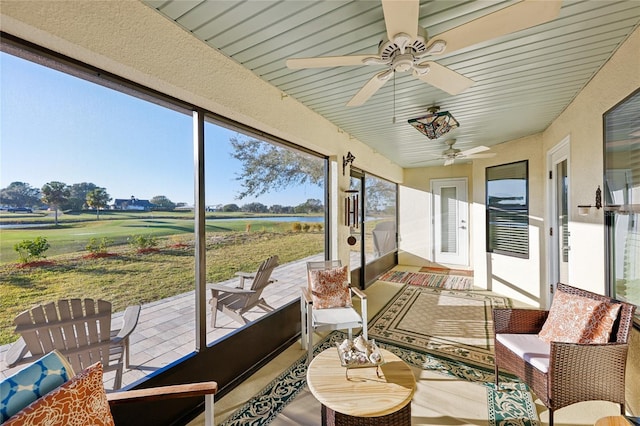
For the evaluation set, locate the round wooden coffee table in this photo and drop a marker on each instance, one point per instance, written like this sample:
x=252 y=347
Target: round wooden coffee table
x=366 y=396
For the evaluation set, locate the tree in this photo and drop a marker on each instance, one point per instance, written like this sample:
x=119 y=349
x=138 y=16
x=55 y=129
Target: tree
x=98 y=199
x=230 y=208
x=278 y=209
x=255 y=208
x=380 y=195
x=267 y=167
x=310 y=206
x=55 y=194
x=163 y=202
x=78 y=196
x=20 y=194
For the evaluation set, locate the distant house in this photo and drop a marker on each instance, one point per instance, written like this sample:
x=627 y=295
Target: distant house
x=132 y=204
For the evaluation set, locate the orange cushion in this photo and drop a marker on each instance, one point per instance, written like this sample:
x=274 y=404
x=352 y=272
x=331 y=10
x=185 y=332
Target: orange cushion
x=578 y=319
x=79 y=401
x=330 y=288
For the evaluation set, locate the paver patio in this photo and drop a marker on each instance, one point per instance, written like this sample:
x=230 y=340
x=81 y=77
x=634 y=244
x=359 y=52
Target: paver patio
x=166 y=328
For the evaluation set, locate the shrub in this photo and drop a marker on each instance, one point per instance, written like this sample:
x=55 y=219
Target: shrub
x=296 y=226
x=31 y=249
x=97 y=247
x=143 y=242
x=306 y=227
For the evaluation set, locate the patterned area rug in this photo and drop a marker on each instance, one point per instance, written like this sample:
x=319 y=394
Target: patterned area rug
x=510 y=405
x=446 y=271
x=453 y=324
x=439 y=280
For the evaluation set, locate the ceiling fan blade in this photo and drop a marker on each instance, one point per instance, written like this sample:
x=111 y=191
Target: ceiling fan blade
x=472 y=156
x=371 y=87
x=519 y=16
x=328 y=61
x=475 y=150
x=444 y=78
x=449 y=161
x=401 y=16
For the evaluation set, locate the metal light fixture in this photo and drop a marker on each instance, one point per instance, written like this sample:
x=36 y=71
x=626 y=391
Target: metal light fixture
x=435 y=124
x=347 y=160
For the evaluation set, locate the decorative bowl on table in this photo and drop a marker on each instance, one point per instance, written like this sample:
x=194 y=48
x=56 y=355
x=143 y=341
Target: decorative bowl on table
x=359 y=353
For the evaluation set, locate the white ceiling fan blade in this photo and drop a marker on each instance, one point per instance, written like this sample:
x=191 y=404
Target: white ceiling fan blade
x=472 y=156
x=371 y=87
x=328 y=61
x=449 y=161
x=519 y=16
x=444 y=78
x=401 y=16
x=475 y=150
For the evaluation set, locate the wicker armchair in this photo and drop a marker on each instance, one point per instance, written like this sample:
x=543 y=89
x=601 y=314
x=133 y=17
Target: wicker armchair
x=576 y=372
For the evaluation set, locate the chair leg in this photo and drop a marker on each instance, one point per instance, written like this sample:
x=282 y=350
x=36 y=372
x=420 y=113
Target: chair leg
x=117 y=381
x=214 y=307
x=126 y=352
x=309 y=333
x=622 y=410
x=550 y=417
x=495 y=369
x=209 y=417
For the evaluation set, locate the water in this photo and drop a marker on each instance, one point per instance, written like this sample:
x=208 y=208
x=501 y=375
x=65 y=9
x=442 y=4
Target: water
x=314 y=219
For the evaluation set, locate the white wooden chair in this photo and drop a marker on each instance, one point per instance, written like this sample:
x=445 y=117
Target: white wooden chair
x=120 y=337
x=327 y=319
x=80 y=329
x=235 y=301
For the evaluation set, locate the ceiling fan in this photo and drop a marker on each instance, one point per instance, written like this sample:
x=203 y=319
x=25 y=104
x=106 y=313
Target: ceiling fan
x=451 y=154
x=407 y=46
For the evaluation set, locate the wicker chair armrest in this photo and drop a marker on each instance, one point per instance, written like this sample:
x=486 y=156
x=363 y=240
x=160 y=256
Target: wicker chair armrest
x=518 y=321
x=580 y=372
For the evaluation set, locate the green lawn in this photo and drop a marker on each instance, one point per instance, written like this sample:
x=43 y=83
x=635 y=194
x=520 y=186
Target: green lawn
x=74 y=231
x=128 y=277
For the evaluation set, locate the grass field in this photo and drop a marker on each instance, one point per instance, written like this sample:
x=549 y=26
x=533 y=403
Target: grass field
x=75 y=230
x=128 y=277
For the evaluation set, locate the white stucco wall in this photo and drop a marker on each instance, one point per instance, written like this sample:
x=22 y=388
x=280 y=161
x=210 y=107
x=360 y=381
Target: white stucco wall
x=415 y=207
x=582 y=123
x=515 y=277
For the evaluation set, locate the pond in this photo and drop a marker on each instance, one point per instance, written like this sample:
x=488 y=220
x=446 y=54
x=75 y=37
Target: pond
x=314 y=219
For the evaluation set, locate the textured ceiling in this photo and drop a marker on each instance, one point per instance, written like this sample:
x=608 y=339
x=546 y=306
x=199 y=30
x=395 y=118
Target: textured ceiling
x=523 y=80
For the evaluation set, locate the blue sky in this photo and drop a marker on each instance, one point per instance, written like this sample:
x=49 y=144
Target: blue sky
x=55 y=127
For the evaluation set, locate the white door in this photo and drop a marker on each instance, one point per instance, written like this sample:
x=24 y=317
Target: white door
x=559 y=215
x=450 y=221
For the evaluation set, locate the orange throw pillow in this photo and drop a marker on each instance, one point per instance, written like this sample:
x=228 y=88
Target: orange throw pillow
x=80 y=401
x=578 y=319
x=330 y=288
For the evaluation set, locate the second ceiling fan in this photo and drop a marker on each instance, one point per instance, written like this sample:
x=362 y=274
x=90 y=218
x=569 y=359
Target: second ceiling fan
x=407 y=46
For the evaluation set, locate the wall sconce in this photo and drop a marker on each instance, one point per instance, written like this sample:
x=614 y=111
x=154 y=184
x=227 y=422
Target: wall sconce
x=347 y=160
x=351 y=208
x=583 y=209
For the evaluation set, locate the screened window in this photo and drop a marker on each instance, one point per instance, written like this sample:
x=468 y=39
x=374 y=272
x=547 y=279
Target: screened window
x=621 y=198
x=508 y=209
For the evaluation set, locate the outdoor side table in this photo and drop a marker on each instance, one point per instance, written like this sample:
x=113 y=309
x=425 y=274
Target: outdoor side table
x=362 y=398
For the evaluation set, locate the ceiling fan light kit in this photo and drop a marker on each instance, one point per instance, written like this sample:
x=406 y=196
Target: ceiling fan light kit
x=435 y=124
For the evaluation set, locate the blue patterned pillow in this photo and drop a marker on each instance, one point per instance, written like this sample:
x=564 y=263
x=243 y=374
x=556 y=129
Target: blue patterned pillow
x=32 y=382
